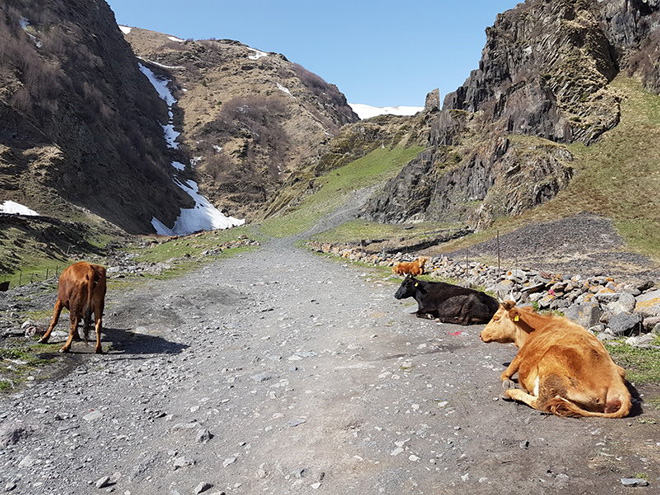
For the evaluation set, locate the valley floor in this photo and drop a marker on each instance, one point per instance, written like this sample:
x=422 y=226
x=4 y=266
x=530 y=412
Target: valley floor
x=281 y=372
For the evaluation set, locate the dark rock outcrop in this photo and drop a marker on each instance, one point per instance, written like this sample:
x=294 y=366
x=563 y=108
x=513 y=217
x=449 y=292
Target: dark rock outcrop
x=496 y=146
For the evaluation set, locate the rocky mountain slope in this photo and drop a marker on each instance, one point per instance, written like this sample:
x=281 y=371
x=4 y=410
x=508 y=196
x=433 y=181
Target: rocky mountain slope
x=248 y=118
x=81 y=126
x=91 y=132
x=498 y=146
x=351 y=143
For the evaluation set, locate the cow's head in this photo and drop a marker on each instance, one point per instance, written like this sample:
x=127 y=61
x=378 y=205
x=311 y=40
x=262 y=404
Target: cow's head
x=408 y=288
x=502 y=326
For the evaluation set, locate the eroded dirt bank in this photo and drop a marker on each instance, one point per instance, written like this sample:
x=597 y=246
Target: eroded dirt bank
x=282 y=372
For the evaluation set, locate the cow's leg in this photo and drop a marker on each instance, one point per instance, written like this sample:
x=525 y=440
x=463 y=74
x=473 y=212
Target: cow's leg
x=98 y=315
x=522 y=396
x=56 y=316
x=73 y=328
x=99 y=324
x=512 y=369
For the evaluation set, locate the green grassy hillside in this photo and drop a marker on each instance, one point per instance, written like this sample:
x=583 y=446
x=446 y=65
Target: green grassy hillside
x=332 y=189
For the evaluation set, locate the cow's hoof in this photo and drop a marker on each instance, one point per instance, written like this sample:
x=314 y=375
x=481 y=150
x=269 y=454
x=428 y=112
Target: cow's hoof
x=63 y=350
x=506 y=395
x=42 y=341
x=508 y=384
x=99 y=351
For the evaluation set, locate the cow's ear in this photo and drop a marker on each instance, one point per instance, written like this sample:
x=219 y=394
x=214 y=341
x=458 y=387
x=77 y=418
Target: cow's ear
x=514 y=314
x=508 y=305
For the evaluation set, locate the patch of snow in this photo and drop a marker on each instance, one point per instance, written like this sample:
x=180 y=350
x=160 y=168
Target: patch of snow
x=160 y=83
x=24 y=25
x=257 y=54
x=163 y=66
x=170 y=134
x=14 y=208
x=174 y=38
x=367 y=111
x=160 y=227
x=282 y=88
x=195 y=161
x=217 y=148
x=125 y=29
x=203 y=216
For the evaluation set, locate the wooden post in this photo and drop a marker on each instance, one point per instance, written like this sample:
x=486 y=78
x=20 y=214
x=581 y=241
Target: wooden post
x=467 y=261
x=499 y=266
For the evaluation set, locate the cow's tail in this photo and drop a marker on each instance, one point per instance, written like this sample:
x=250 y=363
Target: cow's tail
x=618 y=407
x=92 y=279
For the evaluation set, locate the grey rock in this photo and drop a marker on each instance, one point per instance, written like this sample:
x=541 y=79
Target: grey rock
x=634 y=482
x=432 y=102
x=586 y=314
x=648 y=304
x=625 y=303
x=203 y=436
x=262 y=377
x=102 y=482
x=93 y=416
x=202 y=487
x=641 y=340
x=182 y=461
x=625 y=323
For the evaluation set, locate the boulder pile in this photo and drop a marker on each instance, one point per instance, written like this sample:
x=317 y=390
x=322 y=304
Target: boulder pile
x=599 y=303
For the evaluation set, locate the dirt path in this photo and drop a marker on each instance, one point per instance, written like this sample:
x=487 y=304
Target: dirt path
x=308 y=377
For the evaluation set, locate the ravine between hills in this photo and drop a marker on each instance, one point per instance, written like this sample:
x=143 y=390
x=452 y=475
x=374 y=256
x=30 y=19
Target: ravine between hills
x=279 y=371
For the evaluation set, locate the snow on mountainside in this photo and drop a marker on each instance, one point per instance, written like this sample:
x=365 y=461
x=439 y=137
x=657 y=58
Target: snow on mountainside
x=203 y=216
x=367 y=111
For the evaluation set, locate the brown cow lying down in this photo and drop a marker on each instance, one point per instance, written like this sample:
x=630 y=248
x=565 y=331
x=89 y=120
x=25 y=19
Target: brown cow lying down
x=81 y=290
x=562 y=368
x=413 y=268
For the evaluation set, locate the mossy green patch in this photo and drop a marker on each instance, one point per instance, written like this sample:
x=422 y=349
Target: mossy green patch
x=642 y=365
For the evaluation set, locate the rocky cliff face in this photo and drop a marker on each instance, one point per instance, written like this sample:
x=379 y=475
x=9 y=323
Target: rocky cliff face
x=495 y=148
x=248 y=118
x=81 y=126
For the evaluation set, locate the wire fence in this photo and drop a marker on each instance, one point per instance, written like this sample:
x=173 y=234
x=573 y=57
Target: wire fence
x=28 y=278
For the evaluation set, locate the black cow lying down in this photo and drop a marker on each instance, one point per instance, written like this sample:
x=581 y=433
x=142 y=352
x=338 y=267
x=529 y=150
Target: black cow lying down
x=449 y=303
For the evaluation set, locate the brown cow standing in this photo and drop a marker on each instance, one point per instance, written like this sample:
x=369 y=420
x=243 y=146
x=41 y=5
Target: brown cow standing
x=562 y=368
x=81 y=290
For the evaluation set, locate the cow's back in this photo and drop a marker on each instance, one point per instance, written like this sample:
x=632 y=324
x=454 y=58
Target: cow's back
x=80 y=281
x=572 y=349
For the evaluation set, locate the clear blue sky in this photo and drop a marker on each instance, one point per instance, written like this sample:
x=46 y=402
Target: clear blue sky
x=378 y=52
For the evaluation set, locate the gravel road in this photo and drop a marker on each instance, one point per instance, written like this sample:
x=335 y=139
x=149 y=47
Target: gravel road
x=277 y=372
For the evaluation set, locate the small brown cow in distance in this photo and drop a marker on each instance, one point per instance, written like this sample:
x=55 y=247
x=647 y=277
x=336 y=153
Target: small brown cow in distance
x=414 y=268
x=81 y=290
x=562 y=368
